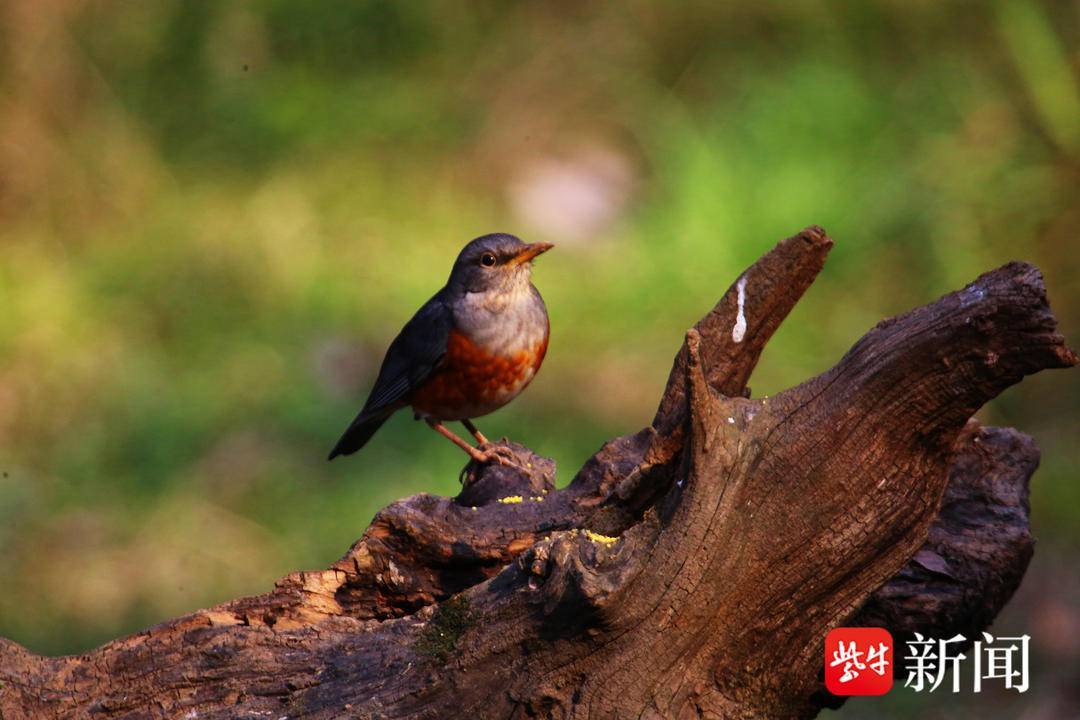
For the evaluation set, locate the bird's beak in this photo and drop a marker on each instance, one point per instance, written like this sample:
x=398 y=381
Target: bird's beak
x=530 y=251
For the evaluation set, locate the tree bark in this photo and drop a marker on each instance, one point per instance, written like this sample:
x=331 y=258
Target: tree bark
x=689 y=570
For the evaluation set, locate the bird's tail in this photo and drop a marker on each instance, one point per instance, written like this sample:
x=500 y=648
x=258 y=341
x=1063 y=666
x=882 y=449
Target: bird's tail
x=359 y=432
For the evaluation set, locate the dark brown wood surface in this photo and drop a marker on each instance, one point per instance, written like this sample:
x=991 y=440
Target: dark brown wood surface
x=689 y=570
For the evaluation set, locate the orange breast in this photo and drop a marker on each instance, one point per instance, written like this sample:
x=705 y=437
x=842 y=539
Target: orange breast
x=472 y=382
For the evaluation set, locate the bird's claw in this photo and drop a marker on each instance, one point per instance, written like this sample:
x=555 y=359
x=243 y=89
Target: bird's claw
x=487 y=453
x=499 y=453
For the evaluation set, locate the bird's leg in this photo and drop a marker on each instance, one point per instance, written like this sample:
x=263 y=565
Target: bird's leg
x=447 y=433
x=475 y=431
x=480 y=456
x=488 y=446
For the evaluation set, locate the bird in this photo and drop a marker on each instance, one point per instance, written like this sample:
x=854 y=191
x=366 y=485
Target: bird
x=468 y=351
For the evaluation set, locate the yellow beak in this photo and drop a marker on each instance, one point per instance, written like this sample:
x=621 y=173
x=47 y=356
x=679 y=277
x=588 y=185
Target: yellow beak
x=530 y=251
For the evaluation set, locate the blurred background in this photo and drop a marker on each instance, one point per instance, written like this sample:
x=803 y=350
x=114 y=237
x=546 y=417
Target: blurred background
x=215 y=216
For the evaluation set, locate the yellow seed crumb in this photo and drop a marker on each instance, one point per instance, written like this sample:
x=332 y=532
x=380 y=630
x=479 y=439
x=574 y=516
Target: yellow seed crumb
x=603 y=539
x=473 y=507
x=511 y=499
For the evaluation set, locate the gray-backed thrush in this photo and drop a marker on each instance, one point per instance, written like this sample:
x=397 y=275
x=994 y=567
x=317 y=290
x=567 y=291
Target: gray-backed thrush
x=472 y=348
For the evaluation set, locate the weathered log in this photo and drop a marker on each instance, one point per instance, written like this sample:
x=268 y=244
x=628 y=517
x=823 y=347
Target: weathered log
x=689 y=570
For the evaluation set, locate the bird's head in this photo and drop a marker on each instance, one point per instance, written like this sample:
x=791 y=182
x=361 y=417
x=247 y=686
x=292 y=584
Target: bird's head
x=497 y=262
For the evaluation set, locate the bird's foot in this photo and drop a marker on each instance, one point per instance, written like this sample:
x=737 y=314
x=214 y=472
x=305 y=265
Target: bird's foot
x=526 y=475
x=499 y=453
x=484 y=455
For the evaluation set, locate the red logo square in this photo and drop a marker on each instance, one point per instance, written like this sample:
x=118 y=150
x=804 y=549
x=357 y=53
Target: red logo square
x=859 y=661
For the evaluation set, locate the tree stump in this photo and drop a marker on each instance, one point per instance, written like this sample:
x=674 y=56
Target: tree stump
x=689 y=570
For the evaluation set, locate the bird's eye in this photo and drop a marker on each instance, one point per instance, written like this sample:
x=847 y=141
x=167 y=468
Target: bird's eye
x=487 y=260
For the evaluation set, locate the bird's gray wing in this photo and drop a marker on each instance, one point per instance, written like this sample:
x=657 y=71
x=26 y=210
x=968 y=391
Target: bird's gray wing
x=410 y=360
x=413 y=355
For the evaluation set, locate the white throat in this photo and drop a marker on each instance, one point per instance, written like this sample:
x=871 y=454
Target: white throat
x=504 y=321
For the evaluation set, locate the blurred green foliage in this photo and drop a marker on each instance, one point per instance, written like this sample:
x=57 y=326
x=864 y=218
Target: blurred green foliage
x=216 y=215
